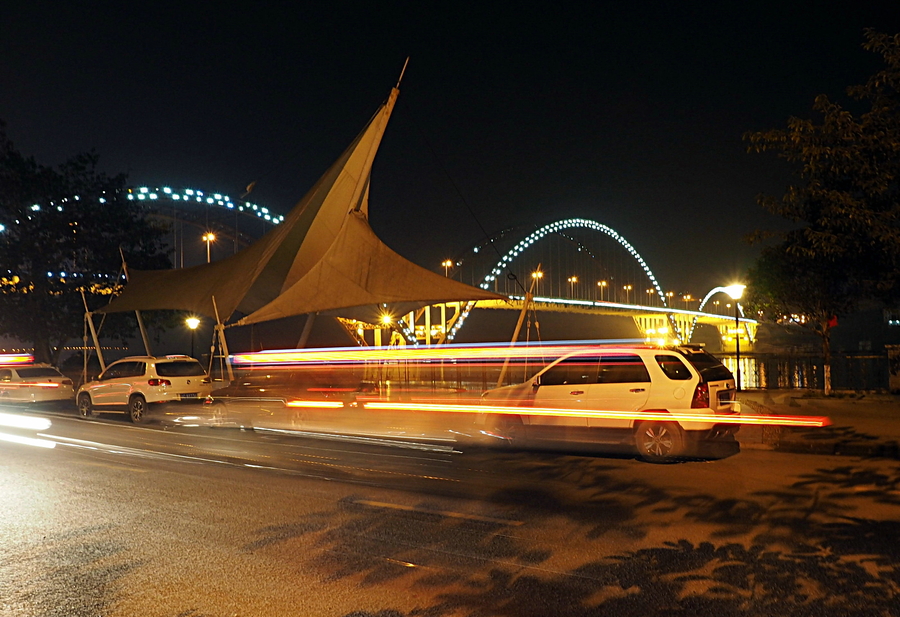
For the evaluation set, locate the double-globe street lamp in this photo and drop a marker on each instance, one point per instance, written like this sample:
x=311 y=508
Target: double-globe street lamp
x=736 y=291
x=208 y=237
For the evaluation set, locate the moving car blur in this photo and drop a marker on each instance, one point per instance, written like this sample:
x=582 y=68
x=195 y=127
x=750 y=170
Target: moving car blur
x=451 y=394
x=22 y=381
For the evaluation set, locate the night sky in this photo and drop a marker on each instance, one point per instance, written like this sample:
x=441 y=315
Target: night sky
x=630 y=114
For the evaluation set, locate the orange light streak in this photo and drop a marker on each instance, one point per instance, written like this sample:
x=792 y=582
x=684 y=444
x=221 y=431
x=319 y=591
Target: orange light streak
x=313 y=404
x=16 y=358
x=808 y=421
x=325 y=356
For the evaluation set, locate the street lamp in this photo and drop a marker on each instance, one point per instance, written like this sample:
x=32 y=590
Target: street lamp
x=447 y=263
x=669 y=296
x=627 y=289
x=602 y=285
x=687 y=298
x=192 y=323
x=536 y=276
x=208 y=237
x=649 y=297
x=736 y=291
x=572 y=280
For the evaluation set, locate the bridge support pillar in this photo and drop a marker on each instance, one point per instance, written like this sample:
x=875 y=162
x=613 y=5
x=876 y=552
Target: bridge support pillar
x=655 y=327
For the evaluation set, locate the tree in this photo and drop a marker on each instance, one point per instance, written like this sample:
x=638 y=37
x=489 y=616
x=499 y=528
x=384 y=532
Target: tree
x=845 y=245
x=61 y=232
x=847 y=202
x=790 y=288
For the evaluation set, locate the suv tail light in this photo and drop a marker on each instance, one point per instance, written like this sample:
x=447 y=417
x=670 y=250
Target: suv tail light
x=701 y=396
x=159 y=382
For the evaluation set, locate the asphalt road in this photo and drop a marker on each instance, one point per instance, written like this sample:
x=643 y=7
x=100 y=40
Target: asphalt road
x=129 y=520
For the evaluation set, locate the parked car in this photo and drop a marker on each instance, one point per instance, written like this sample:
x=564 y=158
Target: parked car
x=683 y=379
x=33 y=383
x=134 y=385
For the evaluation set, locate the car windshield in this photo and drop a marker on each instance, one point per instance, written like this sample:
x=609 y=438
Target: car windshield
x=180 y=368
x=38 y=371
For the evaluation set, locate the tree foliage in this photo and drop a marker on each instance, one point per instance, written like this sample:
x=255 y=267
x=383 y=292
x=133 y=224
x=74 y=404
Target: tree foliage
x=846 y=203
x=63 y=230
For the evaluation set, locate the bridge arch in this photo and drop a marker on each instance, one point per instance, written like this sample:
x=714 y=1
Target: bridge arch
x=491 y=278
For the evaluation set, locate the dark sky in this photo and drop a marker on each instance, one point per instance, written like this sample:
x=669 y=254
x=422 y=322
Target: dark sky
x=628 y=113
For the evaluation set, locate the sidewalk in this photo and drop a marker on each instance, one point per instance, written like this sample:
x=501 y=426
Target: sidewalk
x=866 y=425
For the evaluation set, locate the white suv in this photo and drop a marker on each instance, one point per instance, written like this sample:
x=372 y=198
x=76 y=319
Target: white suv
x=130 y=384
x=682 y=380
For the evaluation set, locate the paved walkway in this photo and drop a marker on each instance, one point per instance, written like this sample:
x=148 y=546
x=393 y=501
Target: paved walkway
x=865 y=425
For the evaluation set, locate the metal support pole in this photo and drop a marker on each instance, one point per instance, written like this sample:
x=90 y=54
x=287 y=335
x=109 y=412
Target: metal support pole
x=737 y=346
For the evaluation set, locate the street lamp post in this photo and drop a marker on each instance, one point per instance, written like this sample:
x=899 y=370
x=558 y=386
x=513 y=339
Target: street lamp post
x=208 y=237
x=602 y=285
x=627 y=289
x=192 y=323
x=736 y=291
x=447 y=265
x=572 y=280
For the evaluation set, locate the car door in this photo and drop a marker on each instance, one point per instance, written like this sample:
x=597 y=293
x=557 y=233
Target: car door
x=115 y=383
x=623 y=384
x=564 y=385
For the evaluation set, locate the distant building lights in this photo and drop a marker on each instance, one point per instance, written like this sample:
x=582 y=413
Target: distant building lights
x=167 y=190
x=144 y=189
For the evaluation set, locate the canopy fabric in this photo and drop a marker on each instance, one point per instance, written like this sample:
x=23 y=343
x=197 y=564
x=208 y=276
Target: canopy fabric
x=255 y=276
x=322 y=257
x=359 y=269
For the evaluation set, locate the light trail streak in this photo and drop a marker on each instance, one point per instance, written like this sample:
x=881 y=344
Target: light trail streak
x=26 y=422
x=424 y=354
x=663 y=416
x=27 y=441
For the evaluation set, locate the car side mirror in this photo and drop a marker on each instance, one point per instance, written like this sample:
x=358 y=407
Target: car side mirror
x=535 y=385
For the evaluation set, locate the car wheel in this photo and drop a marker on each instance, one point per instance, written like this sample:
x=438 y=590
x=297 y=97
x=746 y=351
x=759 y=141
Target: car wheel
x=219 y=414
x=508 y=430
x=85 y=408
x=137 y=408
x=659 y=442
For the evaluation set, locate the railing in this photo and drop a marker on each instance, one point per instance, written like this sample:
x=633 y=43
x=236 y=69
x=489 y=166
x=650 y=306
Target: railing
x=863 y=371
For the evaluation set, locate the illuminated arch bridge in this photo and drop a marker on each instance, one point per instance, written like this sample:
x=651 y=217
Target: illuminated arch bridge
x=572 y=265
x=233 y=221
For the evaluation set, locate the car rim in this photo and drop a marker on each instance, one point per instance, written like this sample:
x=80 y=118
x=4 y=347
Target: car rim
x=658 y=441
x=137 y=409
x=84 y=406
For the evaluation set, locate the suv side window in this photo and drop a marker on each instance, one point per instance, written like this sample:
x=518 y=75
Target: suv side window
x=570 y=371
x=622 y=368
x=673 y=367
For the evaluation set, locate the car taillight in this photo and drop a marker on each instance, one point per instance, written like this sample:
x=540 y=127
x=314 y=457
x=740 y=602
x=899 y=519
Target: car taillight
x=159 y=382
x=701 y=396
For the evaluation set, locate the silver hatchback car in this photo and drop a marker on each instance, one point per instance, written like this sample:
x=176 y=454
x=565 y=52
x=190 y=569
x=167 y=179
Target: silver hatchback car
x=132 y=384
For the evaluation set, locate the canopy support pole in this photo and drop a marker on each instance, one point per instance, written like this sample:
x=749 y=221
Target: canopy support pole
x=307 y=328
x=529 y=296
x=90 y=320
x=219 y=338
x=143 y=330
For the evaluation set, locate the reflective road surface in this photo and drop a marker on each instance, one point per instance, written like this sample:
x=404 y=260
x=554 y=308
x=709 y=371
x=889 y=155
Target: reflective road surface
x=116 y=519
